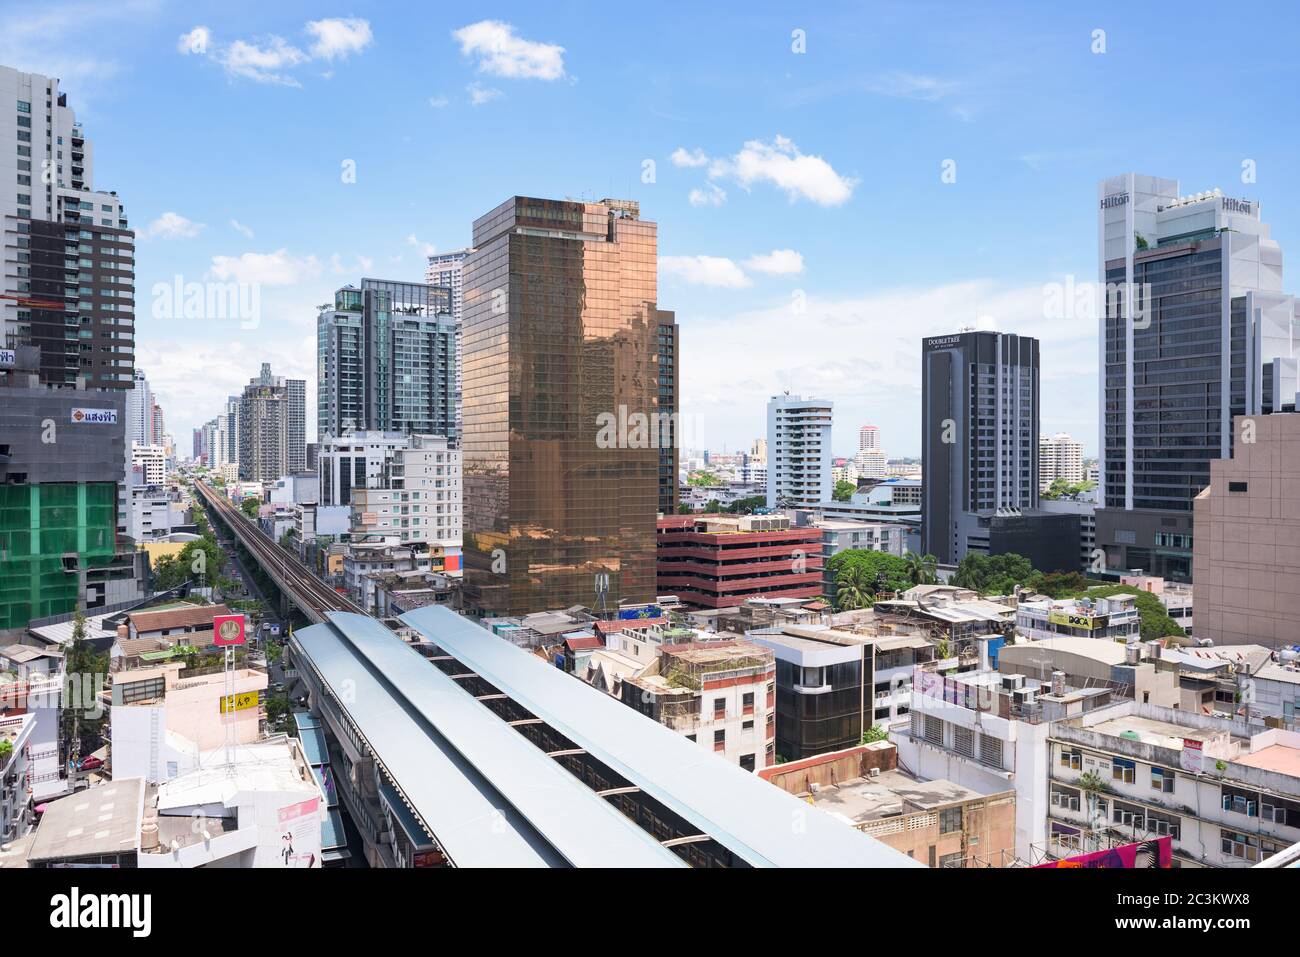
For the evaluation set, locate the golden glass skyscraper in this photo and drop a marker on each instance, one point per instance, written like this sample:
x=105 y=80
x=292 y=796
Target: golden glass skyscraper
x=560 y=338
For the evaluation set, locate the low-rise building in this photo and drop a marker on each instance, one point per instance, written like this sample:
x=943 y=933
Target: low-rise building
x=937 y=822
x=714 y=561
x=1112 y=619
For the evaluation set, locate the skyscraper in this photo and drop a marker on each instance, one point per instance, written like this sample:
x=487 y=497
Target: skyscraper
x=668 y=368
x=446 y=270
x=868 y=438
x=979 y=439
x=69 y=256
x=1195 y=329
x=1059 y=457
x=561 y=399
x=386 y=360
x=798 y=451
x=272 y=427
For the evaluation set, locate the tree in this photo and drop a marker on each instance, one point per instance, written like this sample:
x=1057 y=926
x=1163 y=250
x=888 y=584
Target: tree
x=703 y=479
x=1060 y=488
x=684 y=509
x=854 y=588
x=81 y=718
x=880 y=570
x=921 y=569
x=746 y=506
x=249 y=507
x=994 y=574
x=843 y=490
x=875 y=733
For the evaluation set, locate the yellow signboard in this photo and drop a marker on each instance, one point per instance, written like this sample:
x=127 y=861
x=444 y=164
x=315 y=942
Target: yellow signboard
x=242 y=701
x=1090 y=622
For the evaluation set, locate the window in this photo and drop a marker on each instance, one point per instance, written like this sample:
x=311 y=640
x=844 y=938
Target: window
x=1072 y=760
x=963 y=741
x=950 y=820
x=1162 y=780
x=990 y=751
x=933 y=730
x=1243 y=846
x=951 y=860
x=1236 y=486
x=1122 y=769
x=719 y=707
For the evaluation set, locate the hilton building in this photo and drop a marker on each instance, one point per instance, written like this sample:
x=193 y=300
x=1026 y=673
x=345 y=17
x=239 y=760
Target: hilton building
x=1210 y=336
x=560 y=332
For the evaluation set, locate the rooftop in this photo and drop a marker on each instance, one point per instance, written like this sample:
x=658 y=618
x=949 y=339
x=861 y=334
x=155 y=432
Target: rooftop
x=889 y=794
x=1275 y=757
x=98 y=821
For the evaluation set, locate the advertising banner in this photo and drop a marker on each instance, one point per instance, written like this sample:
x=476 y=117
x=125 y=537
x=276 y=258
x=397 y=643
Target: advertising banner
x=1155 y=853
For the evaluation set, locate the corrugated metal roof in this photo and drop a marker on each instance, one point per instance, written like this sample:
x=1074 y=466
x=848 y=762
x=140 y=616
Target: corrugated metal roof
x=758 y=822
x=490 y=797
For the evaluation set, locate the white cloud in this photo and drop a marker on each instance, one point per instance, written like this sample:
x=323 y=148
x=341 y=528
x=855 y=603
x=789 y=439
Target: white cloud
x=196 y=41
x=705 y=271
x=426 y=249
x=366 y=263
x=438 y=102
x=239 y=227
x=711 y=195
x=272 y=59
x=912 y=86
x=688 y=158
x=800 y=175
x=502 y=52
x=268 y=269
x=173 y=226
x=480 y=94
x=339 y=37
x=779 y=262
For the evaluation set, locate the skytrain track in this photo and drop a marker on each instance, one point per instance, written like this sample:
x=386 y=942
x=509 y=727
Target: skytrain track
x=304 y=589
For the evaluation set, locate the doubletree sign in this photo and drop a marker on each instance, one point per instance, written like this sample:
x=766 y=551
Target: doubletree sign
x=228 y=630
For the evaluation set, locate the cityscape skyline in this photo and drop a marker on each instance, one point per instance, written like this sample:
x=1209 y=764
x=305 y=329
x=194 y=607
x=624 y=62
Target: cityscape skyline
x=301 y=231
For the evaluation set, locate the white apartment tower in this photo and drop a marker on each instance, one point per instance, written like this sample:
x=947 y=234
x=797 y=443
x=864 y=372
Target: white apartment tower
x=446 y=269
x=798 y=451
x=1059 y=457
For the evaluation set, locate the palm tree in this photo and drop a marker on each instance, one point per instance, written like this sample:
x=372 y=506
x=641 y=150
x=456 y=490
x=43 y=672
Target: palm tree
x=921 y=568
x=853 y=590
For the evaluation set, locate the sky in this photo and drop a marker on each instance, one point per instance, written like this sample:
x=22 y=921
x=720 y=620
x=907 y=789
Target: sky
x=831 y=182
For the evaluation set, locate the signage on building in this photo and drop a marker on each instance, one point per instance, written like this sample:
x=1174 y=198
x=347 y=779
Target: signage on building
x=228 y=630
x=1090 y=622
x=1191 y=758
x=95 y=416
x=1115 y=199
x=8 y=357
x=1154 y=853
x=1231 y=205
x=238 y=702
x=942 y=342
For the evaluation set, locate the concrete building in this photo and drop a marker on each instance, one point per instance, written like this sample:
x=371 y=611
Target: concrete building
x=668 y=361
x=150 y=462
x=720 y=694
x=563 y=426
x=32 y=684
x=272 y=427
x=1224 y=792
x=798 y=451
x=939 y=823
x=1110 y=619
x=1201 y=268
x=69 y=257
x=979 y=439
x=714 y=561
x=1087 y=515
x=386 y=354
x=1247 y=548
x=417 y=498
x=1059 y=457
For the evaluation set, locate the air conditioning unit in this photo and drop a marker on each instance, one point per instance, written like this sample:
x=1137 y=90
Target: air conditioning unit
x=1012 y=682
x=873 y=772
x=1022 y=696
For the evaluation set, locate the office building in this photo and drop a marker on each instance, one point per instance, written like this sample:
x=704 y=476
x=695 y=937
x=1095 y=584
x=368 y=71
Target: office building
x=718 y=561
x=1246 y=558
x=868 y=438
x=69 y=256
x=446 y=271
x=979 y=438
x=561 y=405
x=798 y=451
x=354 y=461
x=1195 y=329
x=272 y=427
x=417 y=498
x=1059 y=457
x=148 y=465
x=669 y=367
x=386 y=355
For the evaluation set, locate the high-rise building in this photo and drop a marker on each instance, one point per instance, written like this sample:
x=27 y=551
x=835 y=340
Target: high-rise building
x=868 y=438
x=69 y=260
x=798 y=451
x=1195 y=329
x=669 y=372
x=1059 y=457
x=386 y=356
x=979 y=438
x=561 y=406
x=272 y=427
x=139 y=410
x=446 y=270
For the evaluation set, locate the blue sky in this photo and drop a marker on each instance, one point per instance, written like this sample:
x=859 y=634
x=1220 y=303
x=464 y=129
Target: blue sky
x=822 y=242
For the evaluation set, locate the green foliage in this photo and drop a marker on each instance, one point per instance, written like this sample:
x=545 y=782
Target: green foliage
x=921 y=569
x=1090 y=782
x=1060 y=488
x=684 y=509
x=1059 y=584
x=993 y=574
x=249 y=506
x=85 y=671
x=6 y=749
x=172 y=570
x=703 y=479
x=747 y=506
x=844 y=490
x=860 y=573
x=875 y=733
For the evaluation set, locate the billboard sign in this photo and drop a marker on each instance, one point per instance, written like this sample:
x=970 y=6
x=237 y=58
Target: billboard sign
x=1154 y=853
x=227 y=630
x=81 y=416
x=239 y=702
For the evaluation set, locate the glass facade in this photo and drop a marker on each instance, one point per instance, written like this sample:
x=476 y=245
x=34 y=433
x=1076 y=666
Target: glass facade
x=559 y=332
x=808 y=724
x=42 y=529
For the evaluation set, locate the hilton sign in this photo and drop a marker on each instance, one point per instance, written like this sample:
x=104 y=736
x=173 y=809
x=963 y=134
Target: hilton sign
x=1115 y=199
